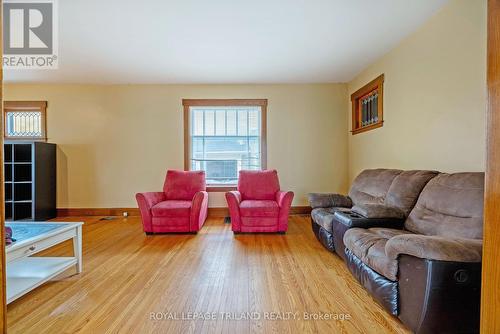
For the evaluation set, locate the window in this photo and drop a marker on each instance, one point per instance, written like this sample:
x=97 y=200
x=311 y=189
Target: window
x=223 y=137
x=25 y=120
x=367 y=106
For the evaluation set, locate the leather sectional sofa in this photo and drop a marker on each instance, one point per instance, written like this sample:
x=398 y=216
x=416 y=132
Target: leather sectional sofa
x=378 y=197
x=422 y=262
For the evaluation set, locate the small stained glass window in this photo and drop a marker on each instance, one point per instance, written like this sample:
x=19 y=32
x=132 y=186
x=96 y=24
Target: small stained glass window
x=25 y=120
x=367 y=106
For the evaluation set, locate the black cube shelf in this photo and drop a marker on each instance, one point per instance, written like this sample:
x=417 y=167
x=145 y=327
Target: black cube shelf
x=30 y=180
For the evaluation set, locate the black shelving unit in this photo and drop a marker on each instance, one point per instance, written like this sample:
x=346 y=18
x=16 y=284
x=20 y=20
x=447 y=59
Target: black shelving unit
x=30 y=180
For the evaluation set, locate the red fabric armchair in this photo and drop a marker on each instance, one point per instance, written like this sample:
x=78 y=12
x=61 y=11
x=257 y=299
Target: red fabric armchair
x=181 y=207
x=259 y=205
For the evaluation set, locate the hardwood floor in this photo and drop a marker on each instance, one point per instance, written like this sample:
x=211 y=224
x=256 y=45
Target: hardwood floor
x=130 y=281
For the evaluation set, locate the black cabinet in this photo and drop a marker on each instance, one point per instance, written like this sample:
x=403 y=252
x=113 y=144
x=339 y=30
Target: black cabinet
x=30 y=180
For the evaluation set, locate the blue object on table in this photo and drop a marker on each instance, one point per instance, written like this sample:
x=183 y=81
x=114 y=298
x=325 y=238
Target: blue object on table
x=25 y=231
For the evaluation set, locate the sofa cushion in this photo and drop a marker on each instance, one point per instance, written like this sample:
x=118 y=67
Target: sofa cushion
x=378 y=211
x=434 y=247
x=371 y=186
x=256 y=208
x=171 y=209
x=258 y=184
x=369 y=246
x=183 y=185
x=406 y=187
x=324 y=216
x=451 y=205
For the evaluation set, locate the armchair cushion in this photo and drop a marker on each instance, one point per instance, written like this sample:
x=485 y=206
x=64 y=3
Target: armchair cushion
x=256 y=208
x=369 y=246
x=258 y=185
x=317 y=200
x=183 y=185
x=435 y=248
x=172 y=209
x=378 y=211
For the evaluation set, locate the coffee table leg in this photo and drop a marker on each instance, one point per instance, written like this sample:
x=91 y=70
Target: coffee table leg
x=77 y=249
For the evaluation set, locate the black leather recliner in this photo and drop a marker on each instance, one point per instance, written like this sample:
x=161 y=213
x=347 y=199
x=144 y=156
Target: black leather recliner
x=429 y=273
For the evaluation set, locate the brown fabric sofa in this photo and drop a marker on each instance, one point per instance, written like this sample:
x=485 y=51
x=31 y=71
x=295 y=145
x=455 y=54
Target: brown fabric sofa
x=378 y=197
x=429 y=273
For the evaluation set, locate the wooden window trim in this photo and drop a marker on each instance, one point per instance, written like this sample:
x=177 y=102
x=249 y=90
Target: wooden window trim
x=219 y=189
x=26 y=106
x=490 y=294
x=377 y=83
x=3 y=283
x=187 y=103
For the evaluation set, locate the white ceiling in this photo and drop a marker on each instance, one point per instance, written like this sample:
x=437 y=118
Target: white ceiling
x=225 y=41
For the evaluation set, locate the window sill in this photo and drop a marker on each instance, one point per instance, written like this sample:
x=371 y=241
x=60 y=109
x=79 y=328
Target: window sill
x=215 y=189
x=368 y=127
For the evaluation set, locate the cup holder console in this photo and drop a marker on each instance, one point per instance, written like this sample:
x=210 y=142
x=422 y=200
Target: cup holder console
x=352 y=219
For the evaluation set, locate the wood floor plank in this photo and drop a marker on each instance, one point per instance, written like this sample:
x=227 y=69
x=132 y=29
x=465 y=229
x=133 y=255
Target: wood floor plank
x=262 y=278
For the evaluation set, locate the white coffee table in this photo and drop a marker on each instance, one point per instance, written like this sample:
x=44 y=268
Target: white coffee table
x=25 y=272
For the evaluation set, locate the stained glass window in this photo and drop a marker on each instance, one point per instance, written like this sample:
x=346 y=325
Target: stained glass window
x=25 y=120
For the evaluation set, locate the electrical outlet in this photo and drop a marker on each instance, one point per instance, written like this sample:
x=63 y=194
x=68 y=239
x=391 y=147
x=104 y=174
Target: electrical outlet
x=125 y=214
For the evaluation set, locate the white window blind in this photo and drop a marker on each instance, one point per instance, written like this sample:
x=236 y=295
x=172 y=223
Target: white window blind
x=225 y=140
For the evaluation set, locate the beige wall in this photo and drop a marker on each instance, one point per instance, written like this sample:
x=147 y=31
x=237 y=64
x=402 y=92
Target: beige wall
x=434 y=97
x=117 y=140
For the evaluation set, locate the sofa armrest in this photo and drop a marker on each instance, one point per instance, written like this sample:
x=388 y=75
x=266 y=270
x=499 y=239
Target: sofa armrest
x=317 y=200
x=233 y=199
x=199 y=210
x=352 y=219
x=435 y=248
x=378 y=211
x=146 y=201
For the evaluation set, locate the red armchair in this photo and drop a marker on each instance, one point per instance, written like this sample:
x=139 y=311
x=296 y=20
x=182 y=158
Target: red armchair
x=181 y=207
x=259 y=205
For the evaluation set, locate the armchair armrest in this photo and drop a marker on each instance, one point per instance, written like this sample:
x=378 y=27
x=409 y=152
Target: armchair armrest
x=435 y=248
x=150 y=199
x=234 y=195
x=317 y=200
x=378 y=211
x=146 y=201
x=233 y=199
x=284 y=198
x=199 y=210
